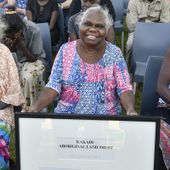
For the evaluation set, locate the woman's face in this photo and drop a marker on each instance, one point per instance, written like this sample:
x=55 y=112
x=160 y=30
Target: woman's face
x=11 y=39
x=93 y=29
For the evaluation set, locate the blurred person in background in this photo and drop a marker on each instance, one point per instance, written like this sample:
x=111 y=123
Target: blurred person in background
x=73 y=24
x=10 y=96
x=40 y=11
x=144 y=11
x=89 y=75
x=23 y=37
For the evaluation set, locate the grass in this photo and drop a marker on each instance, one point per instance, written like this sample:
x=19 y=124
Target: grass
x=137 y=95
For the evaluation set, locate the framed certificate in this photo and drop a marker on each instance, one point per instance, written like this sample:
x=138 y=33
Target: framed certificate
x=85 y=142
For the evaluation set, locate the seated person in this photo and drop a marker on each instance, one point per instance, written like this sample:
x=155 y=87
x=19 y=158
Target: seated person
x=75 y=7
x=89 y=75
x=93 y=78
x=144 y=11
x=163 y=89
x=40 y=11
x=73 y=27
x=4 y=3
x=65 y=7
x=20 y=5
x=23 y=37
x=10 y=96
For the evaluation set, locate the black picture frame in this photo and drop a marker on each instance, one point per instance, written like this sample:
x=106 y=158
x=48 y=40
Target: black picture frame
x=19 y=116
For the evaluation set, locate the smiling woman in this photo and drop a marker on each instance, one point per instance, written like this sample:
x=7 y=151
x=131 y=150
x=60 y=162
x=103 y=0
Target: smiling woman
x=90 y=74
x=10 y=96
x=73 y=24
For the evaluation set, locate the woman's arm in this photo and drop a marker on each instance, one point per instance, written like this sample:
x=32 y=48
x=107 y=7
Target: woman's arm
x=3 y=3
x=66 y=4
x=53 y=20
x=29 y=15
x=21 y=11
x=111 y=35
x=164 y=79
x=22 y=46
x=127 y=100
x=45 y=98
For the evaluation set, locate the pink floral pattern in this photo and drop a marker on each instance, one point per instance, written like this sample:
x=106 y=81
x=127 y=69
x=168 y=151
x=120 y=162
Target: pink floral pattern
x=89 y=88
x=165 y=142
x=10 y=90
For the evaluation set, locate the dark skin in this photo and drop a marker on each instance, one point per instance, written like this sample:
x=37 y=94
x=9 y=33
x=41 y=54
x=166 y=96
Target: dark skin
x=54 y=14
x=85 y=5
x=15 y=41
x=164 y=79
x=91 y=47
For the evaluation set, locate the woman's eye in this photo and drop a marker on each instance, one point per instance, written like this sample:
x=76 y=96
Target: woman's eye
x=100 y=26
x=87 y=24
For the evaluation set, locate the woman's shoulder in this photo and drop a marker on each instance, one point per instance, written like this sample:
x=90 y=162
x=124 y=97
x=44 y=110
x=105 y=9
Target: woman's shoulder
x=70 y=45
x=112 y=49
x=112 y=54
x=6 y=55
x=3 y=49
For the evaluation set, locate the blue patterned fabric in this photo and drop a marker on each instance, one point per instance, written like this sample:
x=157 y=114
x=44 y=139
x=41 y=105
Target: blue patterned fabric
x=89 y=88
x=21 y=4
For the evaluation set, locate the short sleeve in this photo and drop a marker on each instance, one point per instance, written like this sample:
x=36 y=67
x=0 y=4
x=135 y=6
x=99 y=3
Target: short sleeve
x=37 y=45
x=10 y=88
x=121 y=74
x=55 y=80
x=29 y=5
x=71 y=25
x=54 y=5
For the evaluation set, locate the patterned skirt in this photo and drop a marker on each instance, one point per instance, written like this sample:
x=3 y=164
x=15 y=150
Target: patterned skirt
x=165 y=142
x=5 y=130
x=32 y=80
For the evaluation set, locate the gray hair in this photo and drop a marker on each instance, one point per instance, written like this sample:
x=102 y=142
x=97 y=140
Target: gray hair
x=3 y=27
x=97 y=8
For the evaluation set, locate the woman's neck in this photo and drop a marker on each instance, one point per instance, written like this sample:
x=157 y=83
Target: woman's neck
x=90 y=54
x=90 y=48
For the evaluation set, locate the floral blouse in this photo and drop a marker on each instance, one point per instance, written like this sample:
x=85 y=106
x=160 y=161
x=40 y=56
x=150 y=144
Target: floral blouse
x=10 y=90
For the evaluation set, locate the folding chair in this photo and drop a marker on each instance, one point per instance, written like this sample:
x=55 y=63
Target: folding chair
x=125 y=5
x=149 y=39
x=149 y=97
x=45 y=34
x=118 y=24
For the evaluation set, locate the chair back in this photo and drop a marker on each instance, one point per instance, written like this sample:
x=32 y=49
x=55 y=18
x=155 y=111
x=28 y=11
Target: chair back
x=118 y=7
x=149 y=97
x=119 y=11
x=46 y=39
x=149 y=39
x=125 y=5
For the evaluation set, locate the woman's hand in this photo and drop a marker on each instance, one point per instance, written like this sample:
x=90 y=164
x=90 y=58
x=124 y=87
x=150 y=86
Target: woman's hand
x=132 y=113
x=28 y=109
x=9 y=43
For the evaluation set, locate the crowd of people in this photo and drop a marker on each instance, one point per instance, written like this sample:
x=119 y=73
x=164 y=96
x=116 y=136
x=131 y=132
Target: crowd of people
x=89 y=74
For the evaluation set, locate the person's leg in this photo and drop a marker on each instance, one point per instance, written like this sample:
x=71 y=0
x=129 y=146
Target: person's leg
x=129 y=50
x=5 y=130
x=32 y=80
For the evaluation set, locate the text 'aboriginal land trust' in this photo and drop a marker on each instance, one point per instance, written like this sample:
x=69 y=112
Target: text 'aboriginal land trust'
x=83 y=144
